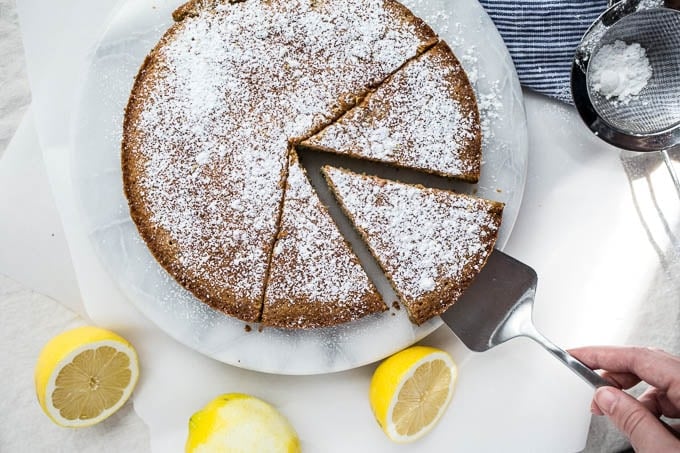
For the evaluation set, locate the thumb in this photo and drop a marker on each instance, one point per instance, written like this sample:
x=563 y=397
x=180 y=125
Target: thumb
x=644 y=430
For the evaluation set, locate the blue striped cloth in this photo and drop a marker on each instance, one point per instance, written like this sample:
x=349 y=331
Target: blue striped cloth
x=542 y=36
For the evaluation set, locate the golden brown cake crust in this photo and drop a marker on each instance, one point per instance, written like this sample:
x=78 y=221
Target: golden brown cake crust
x=211 y=112
x=158 y=240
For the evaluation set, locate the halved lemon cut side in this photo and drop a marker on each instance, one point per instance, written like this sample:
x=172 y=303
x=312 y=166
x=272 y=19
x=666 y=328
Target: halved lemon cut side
x=411 y=390
x=85 y=375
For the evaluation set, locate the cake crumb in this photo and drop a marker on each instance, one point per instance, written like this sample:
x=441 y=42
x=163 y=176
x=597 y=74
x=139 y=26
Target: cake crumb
x=396 y=305
x=247 y=328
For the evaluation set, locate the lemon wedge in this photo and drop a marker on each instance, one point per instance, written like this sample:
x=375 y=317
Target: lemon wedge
x=410 y=391
x=237 y=422
x=84 y=375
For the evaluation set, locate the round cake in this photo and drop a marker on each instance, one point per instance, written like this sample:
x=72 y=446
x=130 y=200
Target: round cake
x=210 y=130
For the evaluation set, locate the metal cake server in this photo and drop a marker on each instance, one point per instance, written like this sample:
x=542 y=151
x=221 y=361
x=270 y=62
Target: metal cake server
x=497 y=307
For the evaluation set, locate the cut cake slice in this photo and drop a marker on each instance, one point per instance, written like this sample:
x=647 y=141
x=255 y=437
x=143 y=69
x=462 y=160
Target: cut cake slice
x=315 y=280
x=430 y=243
x=423 y=117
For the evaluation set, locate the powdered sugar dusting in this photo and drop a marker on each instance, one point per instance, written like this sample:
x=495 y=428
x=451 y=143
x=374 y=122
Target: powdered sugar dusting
x=425 y=239
x=490 y=108
x=439 y=19
x=427 y=284
x=424 y=117
x=619 y=71
x=313 y=265
x=220 y=99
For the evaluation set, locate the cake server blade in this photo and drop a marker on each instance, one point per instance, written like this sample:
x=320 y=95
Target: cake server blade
x=498 y=306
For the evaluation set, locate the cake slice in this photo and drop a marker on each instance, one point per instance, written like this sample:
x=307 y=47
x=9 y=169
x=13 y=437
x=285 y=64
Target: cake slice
x=430 y=243
x=423 y=117
x=315 y=280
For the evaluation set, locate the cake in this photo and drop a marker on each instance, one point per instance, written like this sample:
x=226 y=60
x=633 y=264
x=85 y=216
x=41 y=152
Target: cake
x=214 y=118
x=211 y=115
x=423 y=117
x=430 y=243
x=315 y=280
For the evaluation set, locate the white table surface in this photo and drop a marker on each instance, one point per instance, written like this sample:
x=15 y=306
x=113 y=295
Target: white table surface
x=599 y=226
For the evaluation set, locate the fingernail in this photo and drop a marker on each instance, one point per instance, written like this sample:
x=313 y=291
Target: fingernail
x=594 y=408
x=605 y=399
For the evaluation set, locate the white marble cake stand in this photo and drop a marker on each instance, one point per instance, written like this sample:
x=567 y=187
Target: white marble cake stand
x=95 y=164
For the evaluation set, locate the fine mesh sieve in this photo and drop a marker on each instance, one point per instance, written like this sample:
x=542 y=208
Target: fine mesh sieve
x=650 y=120
x=657 y=107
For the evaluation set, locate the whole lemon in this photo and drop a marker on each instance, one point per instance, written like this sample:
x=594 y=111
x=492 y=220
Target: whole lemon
x=236 y=422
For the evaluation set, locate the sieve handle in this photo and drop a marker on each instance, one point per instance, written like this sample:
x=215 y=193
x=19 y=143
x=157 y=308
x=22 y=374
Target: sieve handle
x=671 y=169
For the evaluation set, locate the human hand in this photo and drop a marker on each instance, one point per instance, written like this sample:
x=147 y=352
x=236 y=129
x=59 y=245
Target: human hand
x=638 y=419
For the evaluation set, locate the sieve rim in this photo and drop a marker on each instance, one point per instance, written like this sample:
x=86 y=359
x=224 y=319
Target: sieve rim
x=660 y=140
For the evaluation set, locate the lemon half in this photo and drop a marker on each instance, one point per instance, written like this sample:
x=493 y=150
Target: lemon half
x=84 y=375
x=411 y=390
x=237 y=422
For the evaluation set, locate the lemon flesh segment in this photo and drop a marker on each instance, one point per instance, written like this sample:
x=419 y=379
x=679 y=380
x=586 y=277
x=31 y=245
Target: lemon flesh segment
x=85 y=375
x=422 y=398
x=411 y=390
x=94 y=381
x=240 y=423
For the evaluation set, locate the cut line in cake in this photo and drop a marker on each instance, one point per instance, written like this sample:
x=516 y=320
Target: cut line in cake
x=315 y=279
x=423 y=117
x=217 y=110
x=253 y=73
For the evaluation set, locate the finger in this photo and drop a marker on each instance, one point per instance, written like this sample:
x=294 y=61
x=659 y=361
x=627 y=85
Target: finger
x=653 y=366
x=644 y=430
x=648 y=399
x=658 y=403
x=622 y=380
